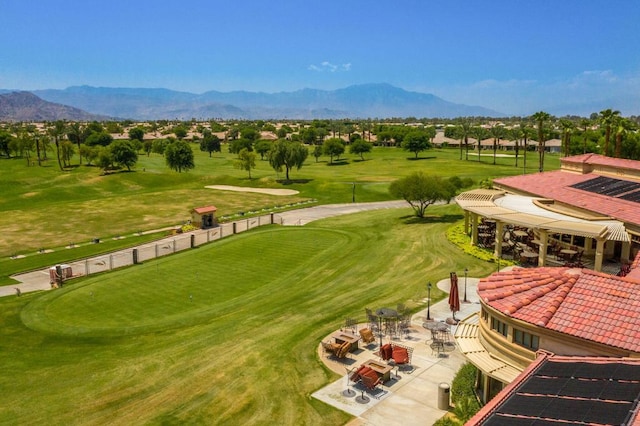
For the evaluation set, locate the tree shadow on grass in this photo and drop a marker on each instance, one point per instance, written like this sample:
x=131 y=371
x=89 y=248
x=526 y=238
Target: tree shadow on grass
x=292 y=181
x=447 y=218
x=338 y=163
x=360 y=160
x=420 y=158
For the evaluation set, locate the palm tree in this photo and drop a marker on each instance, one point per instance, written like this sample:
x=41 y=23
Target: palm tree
x=496 y=132
x=622 y=126
x=586 y=124
x=516 y=134
x=526 y=133
x=464 y=129
x=607 y=117
x=76 y=133
x=540 y=118
x=567 y=128
x=480 y=133
x=56 y=130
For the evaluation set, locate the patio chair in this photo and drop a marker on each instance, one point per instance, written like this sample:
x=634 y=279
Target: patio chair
x=401 y=356
x=371 y=381
x=367 y=336
x=339 y=351
x=404 y=324
x=351 y=324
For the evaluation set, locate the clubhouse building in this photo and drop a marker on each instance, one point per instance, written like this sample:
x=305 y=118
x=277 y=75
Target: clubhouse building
x=538 y=323
x=590 y=206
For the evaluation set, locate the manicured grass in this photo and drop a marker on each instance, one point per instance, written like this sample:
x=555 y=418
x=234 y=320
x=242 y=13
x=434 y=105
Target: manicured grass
x=132 y=346
x=43 y=207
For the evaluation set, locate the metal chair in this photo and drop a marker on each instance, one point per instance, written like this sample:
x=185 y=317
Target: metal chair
x=351 y=324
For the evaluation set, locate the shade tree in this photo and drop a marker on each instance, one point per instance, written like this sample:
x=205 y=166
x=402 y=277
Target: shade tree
x=421 y=190
x=124 y=153
x=179 y=156
x=416 y=141
x=288 y=155
x=246 y=161
x=359 y=147
x=333 y=147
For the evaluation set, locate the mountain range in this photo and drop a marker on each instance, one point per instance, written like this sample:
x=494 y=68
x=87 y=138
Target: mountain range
x=25 y=106
x=358 y=101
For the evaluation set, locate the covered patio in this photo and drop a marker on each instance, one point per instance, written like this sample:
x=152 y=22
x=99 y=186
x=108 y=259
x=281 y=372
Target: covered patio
x=495 y=218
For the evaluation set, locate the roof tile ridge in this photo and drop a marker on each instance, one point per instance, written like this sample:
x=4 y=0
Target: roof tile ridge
x=564 y=288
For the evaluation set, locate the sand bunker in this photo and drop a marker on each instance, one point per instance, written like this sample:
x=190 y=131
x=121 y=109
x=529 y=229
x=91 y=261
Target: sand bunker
x=269 y=191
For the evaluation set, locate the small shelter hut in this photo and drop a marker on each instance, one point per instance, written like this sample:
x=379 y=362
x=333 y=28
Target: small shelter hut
x=204 y=217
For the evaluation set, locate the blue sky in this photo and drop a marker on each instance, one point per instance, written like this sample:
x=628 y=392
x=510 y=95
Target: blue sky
x=517 y=57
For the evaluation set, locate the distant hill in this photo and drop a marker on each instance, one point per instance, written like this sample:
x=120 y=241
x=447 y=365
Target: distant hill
x=25 y=106
x=360 y=101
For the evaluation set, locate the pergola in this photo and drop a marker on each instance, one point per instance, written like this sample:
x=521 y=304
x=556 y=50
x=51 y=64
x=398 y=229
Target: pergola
x=542 y=215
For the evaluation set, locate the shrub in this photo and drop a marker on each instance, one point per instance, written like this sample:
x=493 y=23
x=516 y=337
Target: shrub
x=457 y=236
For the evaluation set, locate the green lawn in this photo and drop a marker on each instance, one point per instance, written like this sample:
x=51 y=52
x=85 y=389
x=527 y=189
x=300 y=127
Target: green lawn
x=226 y=333
x=44 y=208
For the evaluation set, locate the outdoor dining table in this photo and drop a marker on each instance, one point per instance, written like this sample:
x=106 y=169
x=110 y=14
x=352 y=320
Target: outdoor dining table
x=386 y=314
x=530 y=255
x=520 y=234
x=568 y=253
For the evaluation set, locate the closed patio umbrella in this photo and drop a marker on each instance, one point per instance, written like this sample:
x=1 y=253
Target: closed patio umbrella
x=454 y=295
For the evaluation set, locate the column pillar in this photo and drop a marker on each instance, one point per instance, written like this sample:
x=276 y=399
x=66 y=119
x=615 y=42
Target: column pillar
x=542 y=250
x=466 y=222
x=626 y=252
x=599 y=255
x=497 y=247
x=474 y=231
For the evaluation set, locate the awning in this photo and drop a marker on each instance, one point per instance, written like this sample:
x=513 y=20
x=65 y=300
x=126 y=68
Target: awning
x=524 y=211
x=466 y=336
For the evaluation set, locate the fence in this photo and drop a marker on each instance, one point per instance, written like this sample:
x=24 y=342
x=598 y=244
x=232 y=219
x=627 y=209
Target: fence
x=168 y=245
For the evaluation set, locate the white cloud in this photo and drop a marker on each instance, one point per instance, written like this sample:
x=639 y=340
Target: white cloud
x=327 y=66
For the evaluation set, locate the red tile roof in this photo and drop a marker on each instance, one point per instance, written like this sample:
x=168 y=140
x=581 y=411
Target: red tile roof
x=206 y=209
x=601 y=160
x=578 y=302
x=556 y=185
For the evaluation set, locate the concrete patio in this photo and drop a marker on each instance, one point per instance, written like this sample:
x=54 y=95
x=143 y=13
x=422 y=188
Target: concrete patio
x=409 y=397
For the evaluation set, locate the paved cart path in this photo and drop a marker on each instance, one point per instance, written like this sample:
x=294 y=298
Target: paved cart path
x=39 y=279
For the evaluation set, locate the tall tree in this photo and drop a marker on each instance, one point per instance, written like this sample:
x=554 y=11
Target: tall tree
x=516 y=135
x=57 y=131
x=123 y=153
x=586 y=124
x=497 y=132
x=179 y=156
x=526 y=133
x=246 y=161
x=421 y=190
x=567 y=128
x=479 y=133
x=359 y=147
x=540 y=118
x=464 y=130
x=607 y=118
x=333 y=147
x=622 y=126
x=76 y=133
x=209 y=142
x=287 y=154
x=416 y=141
